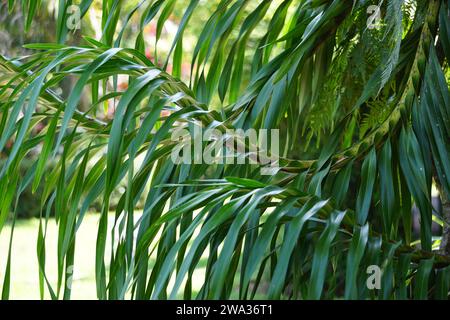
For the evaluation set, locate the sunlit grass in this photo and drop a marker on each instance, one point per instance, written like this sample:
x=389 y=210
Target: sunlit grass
x=25 y=281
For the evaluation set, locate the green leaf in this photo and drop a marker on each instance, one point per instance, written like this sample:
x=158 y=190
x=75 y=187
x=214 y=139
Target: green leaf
x=368 y=175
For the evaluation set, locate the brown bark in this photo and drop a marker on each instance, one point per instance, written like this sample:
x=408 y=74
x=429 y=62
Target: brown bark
x=445 y=242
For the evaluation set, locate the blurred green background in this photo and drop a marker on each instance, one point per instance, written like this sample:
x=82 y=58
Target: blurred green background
x=25 y=283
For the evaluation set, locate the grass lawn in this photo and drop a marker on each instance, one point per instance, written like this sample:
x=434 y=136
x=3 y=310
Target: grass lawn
x=25 y=279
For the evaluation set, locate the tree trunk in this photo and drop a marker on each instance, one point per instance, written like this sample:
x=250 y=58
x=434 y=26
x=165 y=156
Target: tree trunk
x=445 y=242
